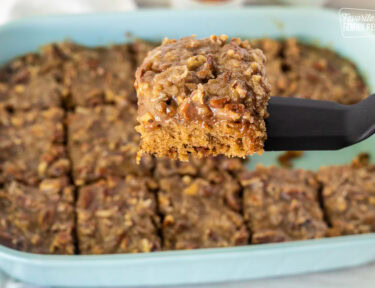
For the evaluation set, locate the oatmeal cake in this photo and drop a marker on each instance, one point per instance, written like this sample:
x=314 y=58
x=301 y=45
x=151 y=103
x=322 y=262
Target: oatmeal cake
x=31 y=145
x=98 y=75
x=102 y=141
x=282 y=205
x=38 y=219
x=70 y=110
x=200 y=212
x=117 y=215
x=30 y=82
x=307 y=71
x=274 y=66
x=321 y=74
x=202 y=97
x=349 y=198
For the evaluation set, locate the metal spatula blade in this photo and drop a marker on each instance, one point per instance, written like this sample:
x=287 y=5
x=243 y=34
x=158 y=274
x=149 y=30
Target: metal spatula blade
x=303 y=124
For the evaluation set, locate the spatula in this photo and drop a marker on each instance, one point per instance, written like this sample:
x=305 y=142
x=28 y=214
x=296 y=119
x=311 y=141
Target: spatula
x=304 y=124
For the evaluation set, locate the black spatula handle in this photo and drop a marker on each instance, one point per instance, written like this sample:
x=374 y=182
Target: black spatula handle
x=361 y=120
x=303 y=124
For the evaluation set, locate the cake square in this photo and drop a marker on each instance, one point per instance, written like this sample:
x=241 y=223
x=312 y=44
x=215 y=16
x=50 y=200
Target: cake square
x=102 y=142
x=321 y=74
x=100 y=75
x=202 y=97
x=32 y=145
x=282 y=205
x=38 y=219
x=30 y=82
x=117 y=215
x=349 y=198
x=200 y=212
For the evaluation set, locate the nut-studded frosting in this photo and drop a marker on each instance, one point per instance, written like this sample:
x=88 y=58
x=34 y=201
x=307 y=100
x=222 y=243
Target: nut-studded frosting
x=38 y=219
x=206 y=82
x=282 y=205
x=31 y=145
x=117 y=215
x=349 y=197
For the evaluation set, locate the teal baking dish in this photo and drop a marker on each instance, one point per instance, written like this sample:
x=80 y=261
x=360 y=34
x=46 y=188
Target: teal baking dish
x=203 y=265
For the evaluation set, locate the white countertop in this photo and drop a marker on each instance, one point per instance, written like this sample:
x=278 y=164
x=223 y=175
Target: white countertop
x=360 y=277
